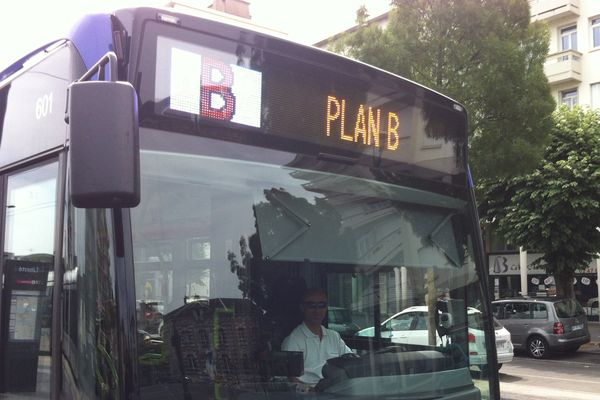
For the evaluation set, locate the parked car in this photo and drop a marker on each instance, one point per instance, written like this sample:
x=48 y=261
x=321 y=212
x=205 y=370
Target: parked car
x=410 y=326
x=591 y=308
x=477 y=353
x=542 y=325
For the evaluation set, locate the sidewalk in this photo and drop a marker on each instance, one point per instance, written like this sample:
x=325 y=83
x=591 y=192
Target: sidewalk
x=594 y=344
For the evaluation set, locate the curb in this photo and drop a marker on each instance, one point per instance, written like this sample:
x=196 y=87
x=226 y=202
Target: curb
x=591 y=347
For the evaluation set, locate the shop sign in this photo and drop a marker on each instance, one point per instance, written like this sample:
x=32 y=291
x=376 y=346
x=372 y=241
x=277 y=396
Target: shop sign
x=508 y=264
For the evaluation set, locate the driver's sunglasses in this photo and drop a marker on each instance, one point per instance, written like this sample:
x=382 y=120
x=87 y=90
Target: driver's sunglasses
x=313 y=305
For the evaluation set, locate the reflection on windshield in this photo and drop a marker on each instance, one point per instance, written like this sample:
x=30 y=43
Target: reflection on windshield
x=225 y=250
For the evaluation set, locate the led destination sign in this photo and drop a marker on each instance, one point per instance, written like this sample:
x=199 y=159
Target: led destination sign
x=212 y=89
x=367 y=125
x=234 y=84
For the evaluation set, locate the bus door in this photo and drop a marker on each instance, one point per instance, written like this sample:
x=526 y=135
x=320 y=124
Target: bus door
x=27 y=269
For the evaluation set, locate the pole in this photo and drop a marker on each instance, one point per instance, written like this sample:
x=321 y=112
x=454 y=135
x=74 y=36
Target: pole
x=404 y=282
x=598 y=279
x=523 y=270
x=397 y=289
x=598 y=284
x=431 y=305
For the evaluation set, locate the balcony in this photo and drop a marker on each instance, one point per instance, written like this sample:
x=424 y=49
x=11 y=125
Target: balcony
x=563 y=67
x=551 y=10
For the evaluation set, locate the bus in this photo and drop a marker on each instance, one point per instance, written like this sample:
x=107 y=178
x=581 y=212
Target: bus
x=174 y=182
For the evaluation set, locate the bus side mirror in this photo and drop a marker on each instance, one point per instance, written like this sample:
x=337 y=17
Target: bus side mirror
x=104 y=150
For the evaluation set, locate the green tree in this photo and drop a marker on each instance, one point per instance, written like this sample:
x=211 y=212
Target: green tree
x=485 y=54
x=556 y=208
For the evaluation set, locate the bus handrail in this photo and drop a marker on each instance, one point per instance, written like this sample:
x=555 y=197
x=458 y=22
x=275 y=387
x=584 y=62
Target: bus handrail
x=109 y=58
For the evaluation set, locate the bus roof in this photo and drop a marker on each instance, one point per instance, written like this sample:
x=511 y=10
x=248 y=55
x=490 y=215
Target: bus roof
x=97 y=26
x=241 y=23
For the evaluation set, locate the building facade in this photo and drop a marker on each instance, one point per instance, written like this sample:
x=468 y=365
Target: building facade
x=573 y=63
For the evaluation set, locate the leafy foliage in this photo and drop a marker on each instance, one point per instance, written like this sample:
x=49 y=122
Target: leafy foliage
x=483 y=53
x=556 y=208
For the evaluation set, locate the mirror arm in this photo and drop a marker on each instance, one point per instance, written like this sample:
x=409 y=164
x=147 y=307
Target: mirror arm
x=99 y=68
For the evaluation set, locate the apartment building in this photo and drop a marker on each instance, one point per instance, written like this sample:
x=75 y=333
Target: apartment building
x=573 y=64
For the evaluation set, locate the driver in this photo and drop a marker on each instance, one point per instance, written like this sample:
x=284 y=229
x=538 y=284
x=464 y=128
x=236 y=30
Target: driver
x=317 y=343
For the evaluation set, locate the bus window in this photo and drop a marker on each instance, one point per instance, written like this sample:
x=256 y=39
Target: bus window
x=89 y=307
x=28 y=282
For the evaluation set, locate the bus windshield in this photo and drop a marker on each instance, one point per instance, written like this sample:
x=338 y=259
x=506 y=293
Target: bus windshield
x=226 y=248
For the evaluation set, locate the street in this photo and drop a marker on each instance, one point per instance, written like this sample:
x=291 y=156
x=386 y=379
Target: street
x=562 y=376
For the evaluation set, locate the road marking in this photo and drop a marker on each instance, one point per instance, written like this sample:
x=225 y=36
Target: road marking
x=520 y=374
x=516 y=388
x=533 y=364
x=527 y=363
x=595 y=382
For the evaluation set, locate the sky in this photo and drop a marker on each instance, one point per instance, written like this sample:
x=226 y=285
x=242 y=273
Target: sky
x=29 y=24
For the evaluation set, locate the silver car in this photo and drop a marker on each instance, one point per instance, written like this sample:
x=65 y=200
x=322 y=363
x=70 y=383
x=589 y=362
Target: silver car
x=542 y=325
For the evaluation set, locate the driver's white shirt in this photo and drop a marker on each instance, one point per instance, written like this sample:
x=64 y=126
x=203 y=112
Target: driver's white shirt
x=316 y=351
